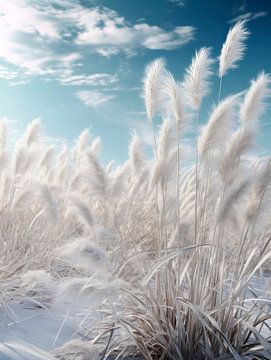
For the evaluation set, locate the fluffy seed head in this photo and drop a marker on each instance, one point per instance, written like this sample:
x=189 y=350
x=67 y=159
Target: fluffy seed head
x=152 y=81
x=234 y=48
x=196 y=82
x=254 y=102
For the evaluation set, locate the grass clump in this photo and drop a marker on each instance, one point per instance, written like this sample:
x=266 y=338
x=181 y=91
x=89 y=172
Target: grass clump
x=172 y=246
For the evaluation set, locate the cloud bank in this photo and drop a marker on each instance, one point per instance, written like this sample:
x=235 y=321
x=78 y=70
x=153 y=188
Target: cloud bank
x=53 y=38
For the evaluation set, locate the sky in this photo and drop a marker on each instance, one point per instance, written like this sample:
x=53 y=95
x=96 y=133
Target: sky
x=79 y=64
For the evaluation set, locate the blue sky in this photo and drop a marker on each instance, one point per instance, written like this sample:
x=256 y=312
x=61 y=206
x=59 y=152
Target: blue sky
x=79 y=63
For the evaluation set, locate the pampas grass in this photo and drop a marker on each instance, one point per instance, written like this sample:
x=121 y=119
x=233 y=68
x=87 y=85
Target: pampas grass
x=254 y=102
x=234 y=48
x=152 y=83
x=166 y=248
x=196 y=82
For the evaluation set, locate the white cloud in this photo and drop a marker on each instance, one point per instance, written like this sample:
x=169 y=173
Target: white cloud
x=93 y=98
x=6 y=73
x=50 y=37
x=110 y=30
x=180 y=3
x=20 y=16
x=169 y=41
x=99 y=79
x=107 y=52
x=240 y=6
x=248 y=16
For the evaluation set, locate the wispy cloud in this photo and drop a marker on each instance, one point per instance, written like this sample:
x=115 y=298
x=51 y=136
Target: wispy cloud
x=6 y=73
x=248 y=16
x=106 y=29
x=179 y=3
x=169 y=41
x=93 y=98
x=239 y=7
x=53 y=38
x=98 y=79
x=107 y=33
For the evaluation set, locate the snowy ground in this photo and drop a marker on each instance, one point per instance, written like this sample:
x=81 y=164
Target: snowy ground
x=43 y=329
x=29 y=331
x=32 y=333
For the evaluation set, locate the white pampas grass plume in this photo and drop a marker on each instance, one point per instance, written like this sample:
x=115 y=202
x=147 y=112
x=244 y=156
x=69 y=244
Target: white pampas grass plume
x=196 y=82
x=38 y=285
x=219 y=125
x=110 y=167
x=234 y=48
x=86 y=255
x=3 y=160
x=89 y=291
x=165 y=140
x=240 y=142
x=119 y=179
x=96 y=146
x=152 y=82
x=81 y=210
x=99 y=179
x=136 y=155
x=3 y=135
x=47 y=159
x=83 y=141
x=257 y=200
x=24 y=198
x=253 y=105
x=234 y=195
x=63 y=156
x=175 y=96
x=163 y=169
x=33 y=132
x=23 y=158
x=82 y=145
x=48 y=201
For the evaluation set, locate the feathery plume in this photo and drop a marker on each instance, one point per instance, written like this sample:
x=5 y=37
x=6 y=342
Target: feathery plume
x=24 y=197
x=109 y=167
x=23 y=158
x=253 y=105
x=136 y=155
x=48 y=201
x=120 y=176
x=173 y=92
x=99 y=179
x=96 y=146
x=82 y=211
x=86 y=254
x=196 y=82
x=233 y=49
x=219 y=125
x=239 y=143
x=63 y=156
x=47 y=158
x=152 y=81
x=38 y=285
x=165 y=140
x=3 y=160
x=83 y=141
x=234 y=195
x=32 y=133
x=3 y=135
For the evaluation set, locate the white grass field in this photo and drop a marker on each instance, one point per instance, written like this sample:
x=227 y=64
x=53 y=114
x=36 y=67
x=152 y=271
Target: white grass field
x=163 y=258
